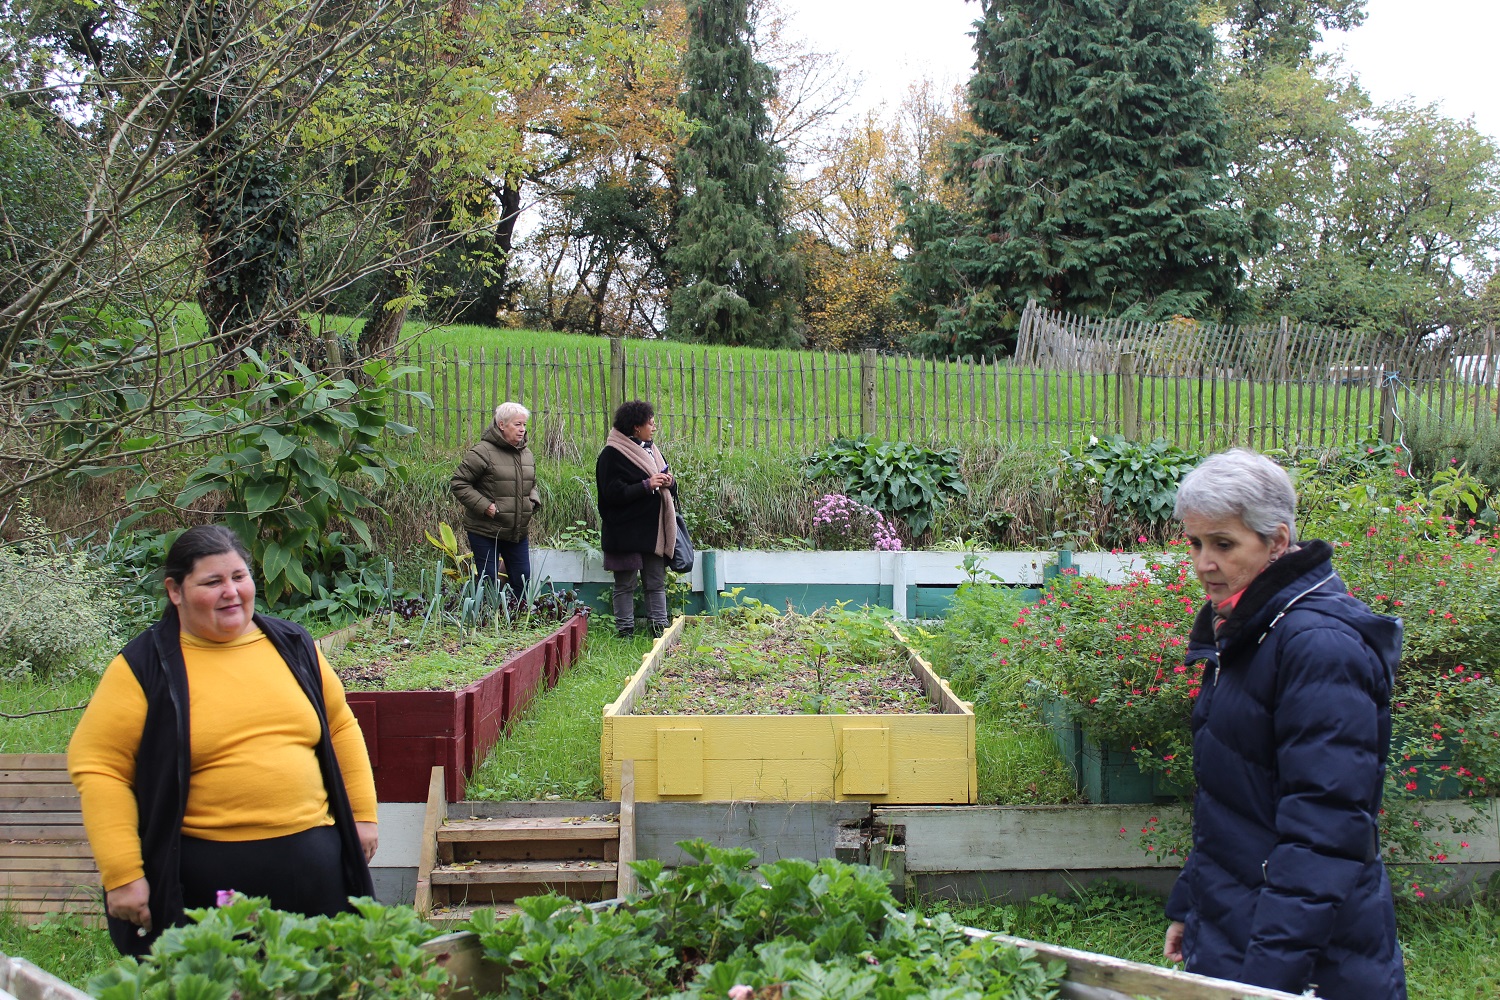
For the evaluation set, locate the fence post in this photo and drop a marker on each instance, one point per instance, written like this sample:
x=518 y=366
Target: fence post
x=616 y=373
x=867 y=391
x=1492 y=365
x=1387 y=409
x=1130 y=416
x=335 y=351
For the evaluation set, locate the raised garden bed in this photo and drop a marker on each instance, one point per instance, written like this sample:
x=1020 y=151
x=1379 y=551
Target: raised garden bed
x=1104 y=774
x=408 y=732
x=915 y=748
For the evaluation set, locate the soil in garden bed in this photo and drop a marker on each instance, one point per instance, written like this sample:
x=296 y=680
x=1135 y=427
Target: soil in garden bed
x=826 y=663
x=390 y=653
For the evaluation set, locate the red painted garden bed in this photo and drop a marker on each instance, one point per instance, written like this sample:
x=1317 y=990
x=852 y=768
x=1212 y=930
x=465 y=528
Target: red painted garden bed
x=410 y=732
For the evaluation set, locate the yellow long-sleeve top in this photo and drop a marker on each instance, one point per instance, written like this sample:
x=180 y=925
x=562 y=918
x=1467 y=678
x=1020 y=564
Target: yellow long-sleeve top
x=254 y=764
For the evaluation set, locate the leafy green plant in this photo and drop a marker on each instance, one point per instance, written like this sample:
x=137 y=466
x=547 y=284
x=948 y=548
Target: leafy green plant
x=457 y=564
x=41 y=587
x=295 y=441
x=1136 y=479
x=715 y=927
x=750 y=659
x=244 y=950
x=897 y=478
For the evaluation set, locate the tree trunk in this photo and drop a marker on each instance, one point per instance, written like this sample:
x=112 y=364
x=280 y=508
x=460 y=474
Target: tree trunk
x=393 y=296
x=499 y=294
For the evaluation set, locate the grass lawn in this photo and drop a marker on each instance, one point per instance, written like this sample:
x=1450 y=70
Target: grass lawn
x=552 y=751
x=741 y=395
x=42 y=733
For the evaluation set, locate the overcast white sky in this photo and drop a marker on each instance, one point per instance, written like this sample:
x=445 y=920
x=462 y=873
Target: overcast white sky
x=1433 y=50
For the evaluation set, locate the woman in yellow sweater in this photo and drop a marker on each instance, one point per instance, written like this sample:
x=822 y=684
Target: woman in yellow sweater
x=218 y=753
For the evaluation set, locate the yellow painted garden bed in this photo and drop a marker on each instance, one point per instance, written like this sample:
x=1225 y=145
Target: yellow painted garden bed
x=923 y=758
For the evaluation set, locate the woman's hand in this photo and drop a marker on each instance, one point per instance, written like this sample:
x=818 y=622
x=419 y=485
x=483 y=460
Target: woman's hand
x=369 y=838
x=659 y=479
x=490 y=511
x=129 y=903
x=1173 y=946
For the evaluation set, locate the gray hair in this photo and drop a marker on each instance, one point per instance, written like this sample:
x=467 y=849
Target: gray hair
x=1243 y=484
x=508 y=411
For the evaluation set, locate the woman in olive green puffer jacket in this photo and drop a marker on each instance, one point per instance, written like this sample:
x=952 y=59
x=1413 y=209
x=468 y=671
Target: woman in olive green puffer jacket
x=496 y=483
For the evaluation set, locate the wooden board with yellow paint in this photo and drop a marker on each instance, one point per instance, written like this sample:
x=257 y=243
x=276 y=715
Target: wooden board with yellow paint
x=891 y=759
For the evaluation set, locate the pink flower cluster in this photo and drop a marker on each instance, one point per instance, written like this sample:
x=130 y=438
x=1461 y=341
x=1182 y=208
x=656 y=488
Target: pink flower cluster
x=841 y=522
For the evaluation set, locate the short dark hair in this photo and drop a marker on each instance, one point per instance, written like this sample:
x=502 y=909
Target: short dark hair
x=632 y=415
x=198 y=542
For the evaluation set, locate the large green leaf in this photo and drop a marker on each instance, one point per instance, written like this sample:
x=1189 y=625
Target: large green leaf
x=261 y=497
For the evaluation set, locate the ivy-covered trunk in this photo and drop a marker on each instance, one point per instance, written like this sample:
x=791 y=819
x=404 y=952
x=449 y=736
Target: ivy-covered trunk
x=246 y=222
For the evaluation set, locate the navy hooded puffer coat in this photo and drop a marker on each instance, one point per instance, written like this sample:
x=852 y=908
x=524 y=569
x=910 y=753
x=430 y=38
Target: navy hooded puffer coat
x=1284 y=886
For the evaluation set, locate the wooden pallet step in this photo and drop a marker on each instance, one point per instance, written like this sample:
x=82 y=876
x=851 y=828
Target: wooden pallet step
x=45 y=849
x=15 y=783
x=524 y=872
x=33 y=831
x=443 y=915
x=84 y=894
x=13 y=878
x=79 y=866
x=514 y=829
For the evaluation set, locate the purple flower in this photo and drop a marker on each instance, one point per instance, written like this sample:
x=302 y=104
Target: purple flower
x=225 y=896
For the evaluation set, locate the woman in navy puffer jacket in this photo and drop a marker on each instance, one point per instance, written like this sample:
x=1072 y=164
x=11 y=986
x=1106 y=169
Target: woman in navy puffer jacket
x=1284 y=886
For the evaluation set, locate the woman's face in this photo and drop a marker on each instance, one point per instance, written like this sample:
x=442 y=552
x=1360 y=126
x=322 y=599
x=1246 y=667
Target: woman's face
x=1227 y=555
x=217 y=599
x=646 y=431
x=514 y=431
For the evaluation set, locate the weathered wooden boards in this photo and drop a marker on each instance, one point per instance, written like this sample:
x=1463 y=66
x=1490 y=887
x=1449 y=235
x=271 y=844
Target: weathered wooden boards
x=45 y=862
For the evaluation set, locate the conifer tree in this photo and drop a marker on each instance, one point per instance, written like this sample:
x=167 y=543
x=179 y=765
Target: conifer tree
x=737 y=279
x=1095 y=176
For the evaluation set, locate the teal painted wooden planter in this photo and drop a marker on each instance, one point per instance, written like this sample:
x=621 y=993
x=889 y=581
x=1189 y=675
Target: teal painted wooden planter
x=1104 y=774
x=1436 y=774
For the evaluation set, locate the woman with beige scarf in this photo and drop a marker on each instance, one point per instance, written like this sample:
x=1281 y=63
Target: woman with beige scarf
x=637 y=514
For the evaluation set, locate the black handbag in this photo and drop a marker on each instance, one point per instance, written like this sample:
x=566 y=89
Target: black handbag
x=682 y=552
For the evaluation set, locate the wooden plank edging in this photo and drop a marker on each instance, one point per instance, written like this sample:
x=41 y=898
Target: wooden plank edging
x=437 y=809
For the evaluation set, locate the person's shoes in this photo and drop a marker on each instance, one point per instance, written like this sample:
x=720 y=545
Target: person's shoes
x=657 y=628
x=625 y=633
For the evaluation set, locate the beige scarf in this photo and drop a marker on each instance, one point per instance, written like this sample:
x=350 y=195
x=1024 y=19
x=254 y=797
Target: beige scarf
x=650 y=462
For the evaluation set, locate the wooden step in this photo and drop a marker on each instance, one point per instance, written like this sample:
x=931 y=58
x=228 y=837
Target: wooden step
x=444 y=915
x=524 y=872
x=529 y=828
x=536 y=839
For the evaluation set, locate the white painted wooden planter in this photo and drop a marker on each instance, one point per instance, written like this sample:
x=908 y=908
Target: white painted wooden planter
x=893 y=573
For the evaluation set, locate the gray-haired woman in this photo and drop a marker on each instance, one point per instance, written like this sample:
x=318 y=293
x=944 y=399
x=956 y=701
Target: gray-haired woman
x=496 y=483
x=1284 y=886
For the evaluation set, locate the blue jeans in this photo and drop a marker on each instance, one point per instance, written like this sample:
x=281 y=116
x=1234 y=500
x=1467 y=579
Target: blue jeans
x=490 y=552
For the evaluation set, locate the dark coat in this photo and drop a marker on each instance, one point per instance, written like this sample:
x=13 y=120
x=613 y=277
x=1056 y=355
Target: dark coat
x=629 y=512
x=1284 y=886
x=164 y=767
x=496 y=471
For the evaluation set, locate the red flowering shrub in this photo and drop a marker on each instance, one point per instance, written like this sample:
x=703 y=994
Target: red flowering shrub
x=1113 y=652
x=1432 y=558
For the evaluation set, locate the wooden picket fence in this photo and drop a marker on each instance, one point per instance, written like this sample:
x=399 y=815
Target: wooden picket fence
x=1197 y=385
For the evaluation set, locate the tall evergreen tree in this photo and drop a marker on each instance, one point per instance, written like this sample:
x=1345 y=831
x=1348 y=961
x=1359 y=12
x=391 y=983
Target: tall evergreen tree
x=736 y=277
x=1095 y=176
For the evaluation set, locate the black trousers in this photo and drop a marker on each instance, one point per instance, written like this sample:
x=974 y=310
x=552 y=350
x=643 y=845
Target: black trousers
x=299 y=873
